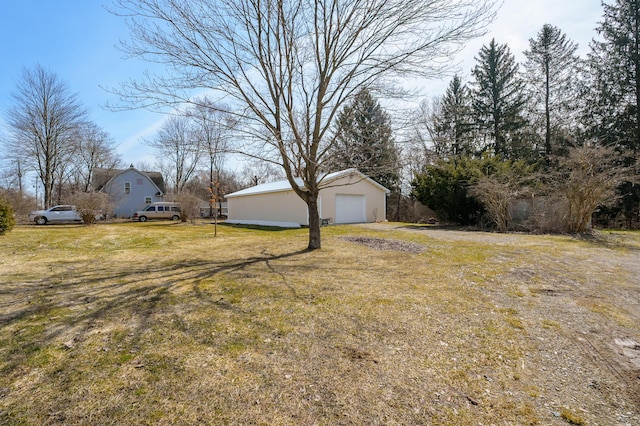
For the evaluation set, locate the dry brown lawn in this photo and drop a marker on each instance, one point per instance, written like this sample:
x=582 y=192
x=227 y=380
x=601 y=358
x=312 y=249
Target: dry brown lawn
x=163 y=323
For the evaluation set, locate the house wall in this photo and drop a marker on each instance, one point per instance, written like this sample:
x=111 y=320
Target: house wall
x=124 y=205
x=286 y=206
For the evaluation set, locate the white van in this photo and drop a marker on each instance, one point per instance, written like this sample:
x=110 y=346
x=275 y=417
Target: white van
x=159 y=210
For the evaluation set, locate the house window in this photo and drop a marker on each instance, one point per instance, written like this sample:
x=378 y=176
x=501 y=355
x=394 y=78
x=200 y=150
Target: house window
x=127 y=187
x=139 y=181
x=147 y=200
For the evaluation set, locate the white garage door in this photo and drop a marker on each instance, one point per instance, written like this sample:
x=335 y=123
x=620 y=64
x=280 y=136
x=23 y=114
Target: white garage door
x=350 y=209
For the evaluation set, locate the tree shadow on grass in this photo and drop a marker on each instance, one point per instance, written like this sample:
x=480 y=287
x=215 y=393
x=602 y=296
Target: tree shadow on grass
x=604 y=239
x=65 y=308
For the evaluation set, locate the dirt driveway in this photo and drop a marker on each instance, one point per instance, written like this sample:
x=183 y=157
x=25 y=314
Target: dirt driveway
x=588 y=293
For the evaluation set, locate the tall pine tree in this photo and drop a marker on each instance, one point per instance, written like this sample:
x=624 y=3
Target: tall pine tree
x=614 y=113
x=552 y=67
x=499 y=99
x=364 y=140
x=454 y=123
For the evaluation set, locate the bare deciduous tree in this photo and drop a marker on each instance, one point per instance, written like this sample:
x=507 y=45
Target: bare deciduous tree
x=212 y=127
x=256 y=172
x=288 y=66
x=178 y=149
x=43 y=124
x=423 y=144
x=95 y=149
x=90 y=205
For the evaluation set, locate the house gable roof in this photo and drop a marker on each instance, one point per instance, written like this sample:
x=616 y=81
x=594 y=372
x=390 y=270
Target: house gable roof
x=103 y=176
x=284 y=185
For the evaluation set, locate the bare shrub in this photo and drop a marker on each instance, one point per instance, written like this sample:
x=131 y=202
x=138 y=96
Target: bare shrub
x=566 y=196
x=587 y=178
x=497 y=193
x=189 y=206
x=20 y=202
x=91 y=206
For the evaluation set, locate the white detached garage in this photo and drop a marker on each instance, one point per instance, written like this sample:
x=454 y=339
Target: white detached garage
x=347 y=196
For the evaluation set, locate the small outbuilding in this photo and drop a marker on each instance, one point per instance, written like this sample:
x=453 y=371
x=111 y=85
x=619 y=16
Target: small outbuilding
x=347 y=196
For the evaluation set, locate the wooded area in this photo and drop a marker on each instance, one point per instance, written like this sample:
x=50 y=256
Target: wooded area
x=563 y=132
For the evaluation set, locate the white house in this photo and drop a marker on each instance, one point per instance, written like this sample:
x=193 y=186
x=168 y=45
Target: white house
x=347 y=196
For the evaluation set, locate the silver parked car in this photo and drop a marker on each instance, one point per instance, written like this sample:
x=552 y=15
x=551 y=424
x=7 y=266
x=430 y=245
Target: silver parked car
x=62 y=213
x=159 y=210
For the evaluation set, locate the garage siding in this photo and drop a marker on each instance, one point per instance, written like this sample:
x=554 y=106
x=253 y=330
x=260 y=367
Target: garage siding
x=348 y=198
x=273 y=207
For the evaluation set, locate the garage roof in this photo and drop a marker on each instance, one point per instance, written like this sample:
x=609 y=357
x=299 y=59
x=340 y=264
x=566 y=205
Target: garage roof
x=284 y=185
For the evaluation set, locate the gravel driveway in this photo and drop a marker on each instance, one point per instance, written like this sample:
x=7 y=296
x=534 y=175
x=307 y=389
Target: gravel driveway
x=590 y=297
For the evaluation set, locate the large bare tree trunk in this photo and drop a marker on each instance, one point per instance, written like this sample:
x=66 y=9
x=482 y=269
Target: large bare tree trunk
x=314 y=225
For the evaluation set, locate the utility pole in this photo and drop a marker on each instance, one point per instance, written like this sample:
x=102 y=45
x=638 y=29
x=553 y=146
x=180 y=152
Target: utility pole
x=36 y=185
x=19 y=177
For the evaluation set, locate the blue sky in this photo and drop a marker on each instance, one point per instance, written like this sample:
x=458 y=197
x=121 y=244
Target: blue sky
x=77 y=40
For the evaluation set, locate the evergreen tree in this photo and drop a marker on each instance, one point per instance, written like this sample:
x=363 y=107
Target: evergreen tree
x=614 y=62
x=454 y=123
x=444 y=188
x=499 y=99
x=552 y=67
x=612 y=92
x=7 y=219
x=364 y=140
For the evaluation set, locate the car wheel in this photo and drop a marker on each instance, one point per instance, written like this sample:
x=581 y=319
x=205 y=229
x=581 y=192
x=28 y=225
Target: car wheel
x=175 y=217
x=142 y=219
x=41 y=220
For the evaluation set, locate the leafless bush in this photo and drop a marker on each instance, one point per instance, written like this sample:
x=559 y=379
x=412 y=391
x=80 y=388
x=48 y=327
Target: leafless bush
x=496 y=195
x=189 y=206
x=566 y=196
x=90 y=205
x=21 y=203
x=586 y=179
